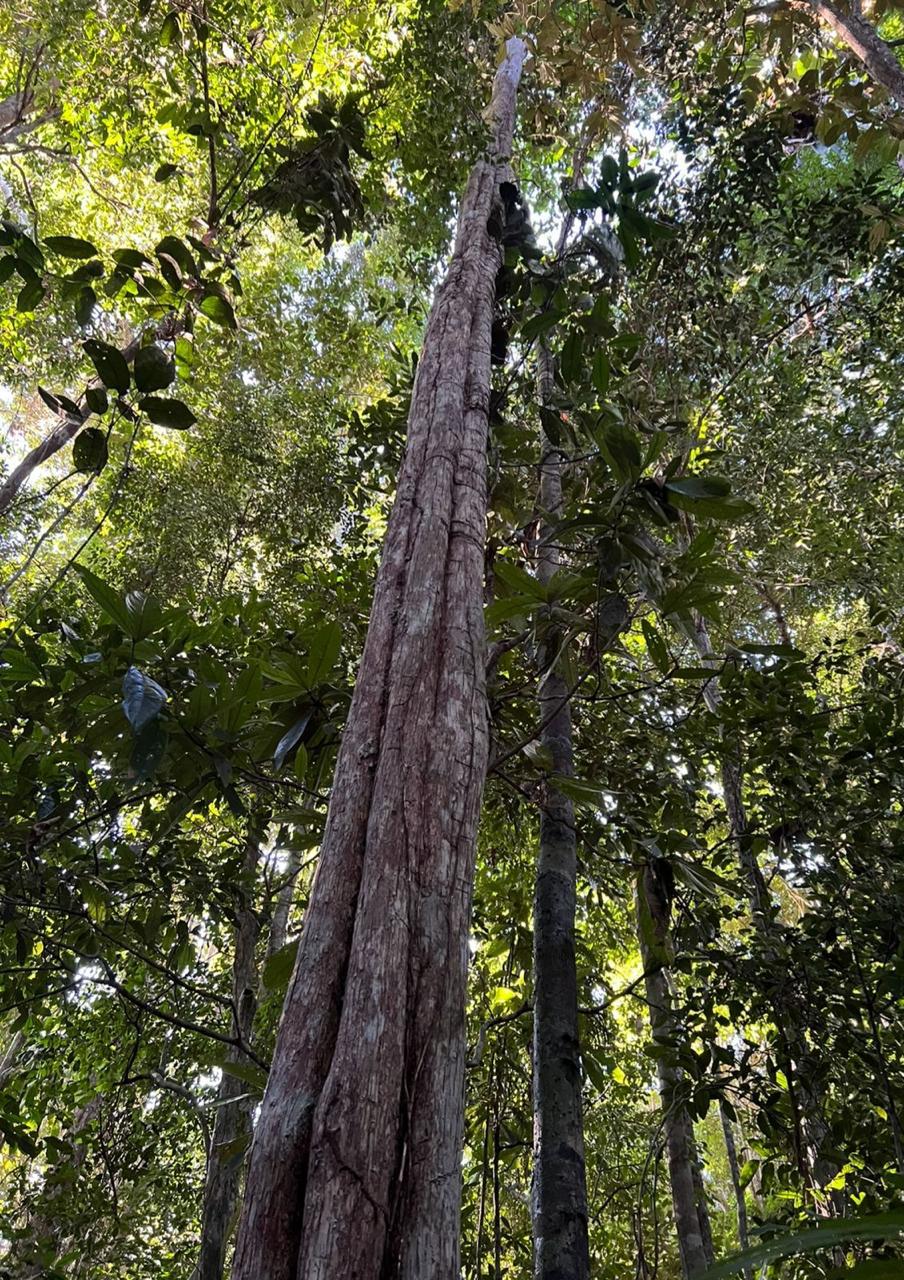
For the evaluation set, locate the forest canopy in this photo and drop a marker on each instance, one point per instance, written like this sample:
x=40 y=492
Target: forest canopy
x=451 y=683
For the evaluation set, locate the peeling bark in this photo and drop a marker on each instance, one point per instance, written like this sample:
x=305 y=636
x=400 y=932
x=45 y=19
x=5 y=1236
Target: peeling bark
x=559 y=1218
x=688 y=1201
x=355 y=1165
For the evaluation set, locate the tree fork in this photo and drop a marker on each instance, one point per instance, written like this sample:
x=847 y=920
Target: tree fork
x=355 y=1164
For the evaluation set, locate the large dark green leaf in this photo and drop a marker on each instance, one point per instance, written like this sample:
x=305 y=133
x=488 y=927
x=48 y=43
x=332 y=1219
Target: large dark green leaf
x=324 y=651
x=112 y=603
x=219 y=309
x=142 y=698
x=153 y=369
x=110 y=365
x=168 y=413
x=824 y=1235
x=90 y=452
x=71 y=247
x=620 y=446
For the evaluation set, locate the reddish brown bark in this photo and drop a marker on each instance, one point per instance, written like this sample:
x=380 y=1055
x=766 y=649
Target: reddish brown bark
x=355 y=1165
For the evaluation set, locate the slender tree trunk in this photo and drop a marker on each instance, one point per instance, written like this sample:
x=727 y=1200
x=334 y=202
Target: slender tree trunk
x=66 y=431
x=688 y=1200
x=860 y=36
x=233 y=1116
x=734 y=1169
x=810 y=1131
x=561 y=1250
x=279 y=919
x=8 y=1060
x=355 y=1165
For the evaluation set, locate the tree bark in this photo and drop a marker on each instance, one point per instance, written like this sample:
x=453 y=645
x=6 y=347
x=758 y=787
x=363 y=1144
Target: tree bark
x=688 y=1201
x=860 y=36
x=559 y=1218
x=355 y=1165
x=17 y=113
x=734 y=1169
x=233 y=1117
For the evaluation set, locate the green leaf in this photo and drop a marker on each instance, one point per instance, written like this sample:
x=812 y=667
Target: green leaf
x=824 y=1235
x=581 y=198
x=165 y=172
x=289 y=739
x=278 y=968
x=170 y=31
x=145 y=615
x=656 y=647
x=510 y=607
x=601 y=372
x=153 y=368
x=246 y=1072
x=90 y=452
x=572 y=358
x=15 y=666
x=582 y=793
x=7 y=267
x=518 y=579
x=110 y=365
x=30 y=295
x=110 y=601
x=84 y=305
x=96 y=399
x=142 y=698
x=621 y=448
x=324 y=651
x=168 y=413
x=218 y=309
x=700 y=487
x=149 y=749
x=773 y=650
x=179 y=250
x=71 y=247
x=706 y=496
x=542 y=322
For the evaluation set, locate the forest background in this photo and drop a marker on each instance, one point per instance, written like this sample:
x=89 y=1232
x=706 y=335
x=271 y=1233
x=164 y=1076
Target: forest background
x=224 y=225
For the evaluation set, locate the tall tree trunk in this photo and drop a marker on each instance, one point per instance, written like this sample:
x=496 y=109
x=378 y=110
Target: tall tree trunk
x=734 y=1169
x=810 y=1131
x=561 y=1249
x=878 y=58
x=355 y=1165
x=688 y=1200
x=233 y=1118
